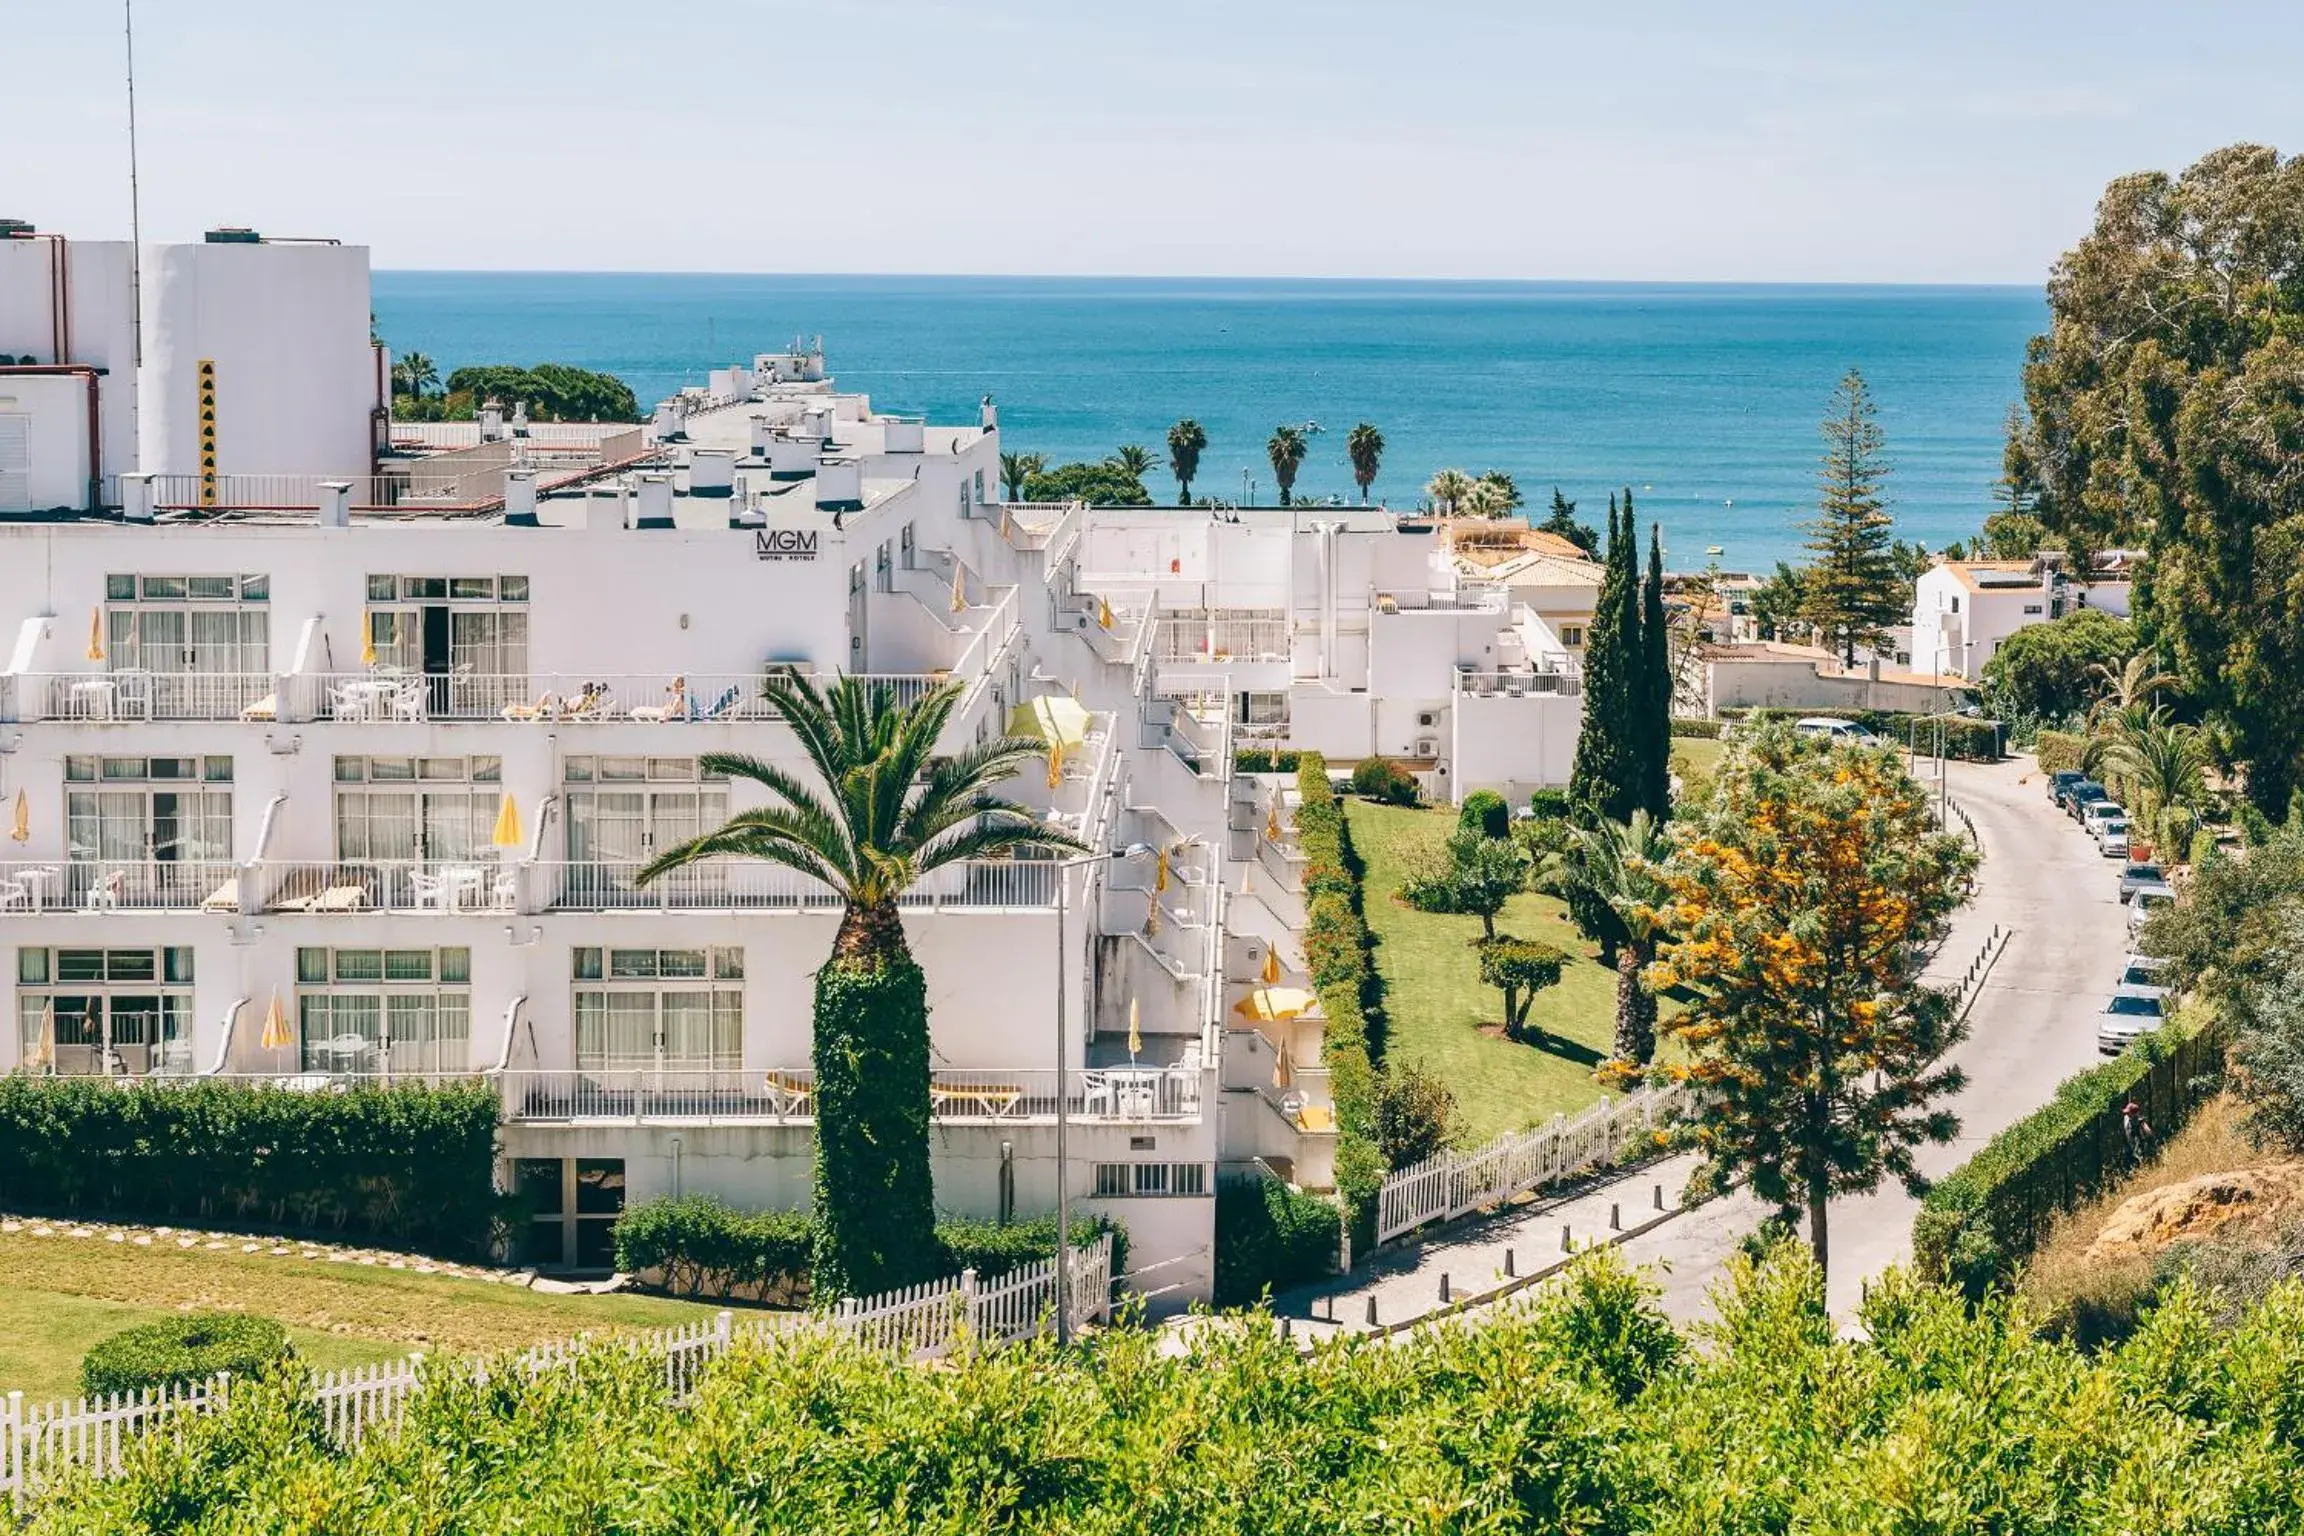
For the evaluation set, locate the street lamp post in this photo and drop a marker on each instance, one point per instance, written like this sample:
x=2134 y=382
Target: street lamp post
x=1063 y=1173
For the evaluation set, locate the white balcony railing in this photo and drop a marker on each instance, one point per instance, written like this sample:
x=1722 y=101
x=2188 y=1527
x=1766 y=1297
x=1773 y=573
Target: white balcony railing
x=1517 y=685
x=748 y=885
x=1188 y=636
x=387 y=885
x=145 y=885
x=787 y=1095
x=133 y=694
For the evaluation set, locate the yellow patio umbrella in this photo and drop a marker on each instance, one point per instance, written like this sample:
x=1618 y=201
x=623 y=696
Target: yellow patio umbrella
x=367 y=645
x=1055 y=765
x=1103 y=613
x=1271 y=975
x=1151 y=917
x=507 y=833
x=1248 y=880
x=1160 y=873
x=95 y=634
x=44 y=1052
x=1274 y=1005
x=1135 y=1036
x=276 y=1035
x=1272 y=822
x=1053 y=718
x=21 y=831
x=959 y=589
x=1280 y=1066
x=1003 y=520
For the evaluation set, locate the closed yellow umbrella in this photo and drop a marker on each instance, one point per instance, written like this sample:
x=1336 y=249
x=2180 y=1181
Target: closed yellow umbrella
x=95 y=634
x=1279 y=1066
x=368 y=645
x=44 y=1049
x=1103 y=613
x=276 y=1035
x=1273 y=1005
x=1003 y=520
x=1272 y=822
x=22 y=830
x=1160 y=873
x=1055 y=765
x=507 y=833
x=1135 y=1036
x=959 y=589
x=1271 y=967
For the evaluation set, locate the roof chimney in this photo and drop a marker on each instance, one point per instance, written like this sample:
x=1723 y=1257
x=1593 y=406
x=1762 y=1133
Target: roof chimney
x=136 y=496
x=989 y=415
x=655 y=509
x=792 y=458
x=520 y=498
x=760 y=435
x=671 y=422
x=712 y=472
x=904 y=434
x=840 y=485
x=335 y=503
x=491 y=422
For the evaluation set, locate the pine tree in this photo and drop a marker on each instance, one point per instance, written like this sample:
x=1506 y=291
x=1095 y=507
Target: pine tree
x=1655 y=732
x=1853 y=591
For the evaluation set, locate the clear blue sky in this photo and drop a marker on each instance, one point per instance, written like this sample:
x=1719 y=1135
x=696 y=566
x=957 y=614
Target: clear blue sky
x=1944 y=140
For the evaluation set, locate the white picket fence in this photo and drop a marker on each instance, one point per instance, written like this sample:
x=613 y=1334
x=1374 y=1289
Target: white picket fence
x=1452 y=1184
x=41 y=1442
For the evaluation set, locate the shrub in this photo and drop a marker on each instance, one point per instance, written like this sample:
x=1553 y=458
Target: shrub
x=408 y=1164
x=1700 y=730
x=699 y=1245
x=1415 y=1113
x=1384 y=781
x=1549 y=804
x=1338 y=950
x=1262 y=760
x=1986 y=1217
x=1269 y=1236
x=178 y=1351
x=1484 y=811
x=2203 y=847
x=2059 y=751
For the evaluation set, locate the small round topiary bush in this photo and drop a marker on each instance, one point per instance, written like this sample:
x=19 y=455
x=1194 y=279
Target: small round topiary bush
x=1484 y=810
x=181 y=1350
x=1384 y=781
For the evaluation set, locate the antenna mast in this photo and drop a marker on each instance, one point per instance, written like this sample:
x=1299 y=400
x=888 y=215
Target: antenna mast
x=135 y=219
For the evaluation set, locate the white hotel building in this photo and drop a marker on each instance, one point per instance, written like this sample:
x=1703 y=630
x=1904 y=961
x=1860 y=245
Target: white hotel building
x=277 y=676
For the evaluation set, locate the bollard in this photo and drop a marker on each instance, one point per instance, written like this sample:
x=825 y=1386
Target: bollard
x=1371 y=1311
x=1565 y=1245
x=1659 y=1197
x=1615 y=1217
x=1443 y=1287
x=1509 y=1272
x=1284 y=1329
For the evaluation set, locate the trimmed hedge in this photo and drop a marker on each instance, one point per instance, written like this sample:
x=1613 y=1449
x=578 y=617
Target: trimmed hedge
x=2059 y=751
x=1970 y=741
x=1270 y=1237
x=1382 y=780
x=411 y=1165
x=1698 y=730
x=1989 y=1214
x=1550 y=804
x=1485 y=812
x=699 y=1245
x=1261 y=760
x=1338 y=948
x=178 y=1351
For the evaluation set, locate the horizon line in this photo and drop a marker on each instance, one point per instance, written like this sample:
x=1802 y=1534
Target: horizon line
x=1223 y=277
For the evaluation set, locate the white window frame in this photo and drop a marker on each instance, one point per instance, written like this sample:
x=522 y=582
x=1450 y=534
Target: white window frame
x=627 y=1019
x=166 y=1047
x=416 y=1024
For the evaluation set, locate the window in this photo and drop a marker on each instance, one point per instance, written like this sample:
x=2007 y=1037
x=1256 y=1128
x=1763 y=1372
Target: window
x=625 y=810
x=85 y=1011
x=1127 y=1181
x=146 y=831
x=1955 y=603
x=1572 y=635
x=180 y=624
x=384 y=1010
x=2032 y=608
x=467 y=634
x=1264 y=708
x=659 y=1009
x=415 y=809
x=573 y=1204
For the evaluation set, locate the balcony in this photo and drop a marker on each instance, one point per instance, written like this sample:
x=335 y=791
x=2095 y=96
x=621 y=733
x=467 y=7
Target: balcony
x=400 y=886
x=133 y=695
x=97 y=886
x=1518 y=685
x=787 y=1096
x=1216 y=635
x=743 y=885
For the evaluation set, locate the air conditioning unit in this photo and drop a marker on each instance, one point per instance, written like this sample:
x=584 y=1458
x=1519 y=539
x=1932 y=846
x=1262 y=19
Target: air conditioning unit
x=796 y=669
x=1426 y=746
x=1427 y=720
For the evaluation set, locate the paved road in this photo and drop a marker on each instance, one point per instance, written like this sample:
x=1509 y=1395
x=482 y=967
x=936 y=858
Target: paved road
x=2032 y=1025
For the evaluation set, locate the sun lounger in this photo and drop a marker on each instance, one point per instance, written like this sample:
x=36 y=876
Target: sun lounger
x=995 y=1102
x=1316 y=1118
x=225 y=898
x=265 y=708
x=548 y=707
x=725 y=704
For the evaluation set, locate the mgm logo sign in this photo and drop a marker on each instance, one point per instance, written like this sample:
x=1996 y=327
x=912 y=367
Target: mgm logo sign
x=784 y=543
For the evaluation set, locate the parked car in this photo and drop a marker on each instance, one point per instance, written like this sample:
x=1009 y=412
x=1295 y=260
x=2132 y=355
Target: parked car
x=2060 y=781
x=2147 y=900
x=2096 y=812
x=2131 y=1012
x=2081 y=795
x=2141 y=973
x=1836 y=730
x=2112 y=837
x=2134 y=875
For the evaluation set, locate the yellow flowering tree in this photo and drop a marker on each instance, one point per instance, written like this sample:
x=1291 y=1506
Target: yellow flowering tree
x=1798 y=902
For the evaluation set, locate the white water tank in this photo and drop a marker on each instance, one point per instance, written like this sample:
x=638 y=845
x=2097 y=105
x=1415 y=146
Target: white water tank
x=286 y=325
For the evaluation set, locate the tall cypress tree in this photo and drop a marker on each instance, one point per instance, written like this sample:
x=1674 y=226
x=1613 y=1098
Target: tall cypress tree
x=1655 y=729
x=1606 y=772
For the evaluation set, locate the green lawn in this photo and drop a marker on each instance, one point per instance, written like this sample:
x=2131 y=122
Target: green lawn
x=1437 y=1004
x=1701 y=754
x=62 y=1294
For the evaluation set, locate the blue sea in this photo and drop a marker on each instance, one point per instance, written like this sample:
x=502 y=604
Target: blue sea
x=1703 y=398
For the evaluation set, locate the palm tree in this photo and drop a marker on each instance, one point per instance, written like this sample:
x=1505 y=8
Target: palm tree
x=885 y=812
x=1483 y=498
x=1286 y=450
x=1186 y=442
x=2164 y=766
x=1448 y=490
x=415 y=374
x=1507 y=491
x=2129 y=688
x=1619 y=862
x=1016 y=468
x=1132 y=459
x=1365 y=448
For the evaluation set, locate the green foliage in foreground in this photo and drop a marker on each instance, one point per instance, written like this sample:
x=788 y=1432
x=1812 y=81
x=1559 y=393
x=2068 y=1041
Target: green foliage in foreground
x=1269 y=1236
x=180 y=1350
x=1582 y=1413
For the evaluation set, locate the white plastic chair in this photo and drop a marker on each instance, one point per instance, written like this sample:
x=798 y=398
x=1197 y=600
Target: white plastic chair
x=431 y=890
x=104 y=895
x=15 y=893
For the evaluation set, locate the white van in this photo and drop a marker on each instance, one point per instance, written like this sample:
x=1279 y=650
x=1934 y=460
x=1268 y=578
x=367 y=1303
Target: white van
x=1831 y=729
